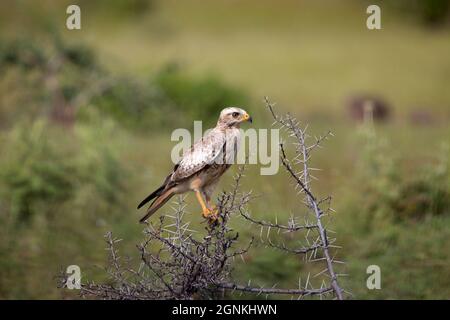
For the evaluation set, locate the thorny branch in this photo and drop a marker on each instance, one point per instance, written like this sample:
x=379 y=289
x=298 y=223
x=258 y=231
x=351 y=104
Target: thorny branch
x=177 y=262
x=302 y=179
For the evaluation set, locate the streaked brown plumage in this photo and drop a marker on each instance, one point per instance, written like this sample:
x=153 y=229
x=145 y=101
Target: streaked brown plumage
x=202 y=165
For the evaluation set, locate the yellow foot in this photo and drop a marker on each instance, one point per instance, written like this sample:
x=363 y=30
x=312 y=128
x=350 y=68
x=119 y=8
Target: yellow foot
x=211 y=214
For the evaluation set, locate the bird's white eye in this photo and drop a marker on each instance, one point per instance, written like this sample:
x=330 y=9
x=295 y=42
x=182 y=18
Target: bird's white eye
x=235 y=114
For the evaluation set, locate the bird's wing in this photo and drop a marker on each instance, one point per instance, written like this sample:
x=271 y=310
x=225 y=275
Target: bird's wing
x=202 y=153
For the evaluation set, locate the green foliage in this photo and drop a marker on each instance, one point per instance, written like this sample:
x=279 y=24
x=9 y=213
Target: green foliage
x=34 y=172
x=430 y=12
x=393 y=194
x=78 y=55
x=171 y=99
x=137 y=106
x=67 y=76
x=58 y=187
x=21 y=52
x=433 y=11
x=119 y=7
x=424 y=195
x=396 y=217
x=29 y=53
x=413 y=258
x=51 y=73
x=45 y=167
x=201 y=98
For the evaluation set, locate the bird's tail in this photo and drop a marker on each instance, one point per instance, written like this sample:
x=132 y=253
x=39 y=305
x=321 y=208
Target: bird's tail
x=154 y=194
x=158 y=203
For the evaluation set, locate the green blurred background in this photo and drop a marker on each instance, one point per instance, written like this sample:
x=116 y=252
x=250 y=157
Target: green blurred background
x=86 y=117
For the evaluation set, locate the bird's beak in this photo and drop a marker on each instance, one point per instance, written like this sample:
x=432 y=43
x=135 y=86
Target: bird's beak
x=246 y=117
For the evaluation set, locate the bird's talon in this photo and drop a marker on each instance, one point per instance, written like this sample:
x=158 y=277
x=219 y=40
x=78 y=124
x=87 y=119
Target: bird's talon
x=205 y=214
x=214 y=213
x=211 y=214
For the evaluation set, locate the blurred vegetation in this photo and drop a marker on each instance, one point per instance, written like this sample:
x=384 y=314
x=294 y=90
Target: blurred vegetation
x=41 y=171
x=120 y=7
x=60 y=167
x=430 y=12
x=85 y=118
x=398 y=221
x=168 y=99
x=51 y=197
x=61 y=76
x=199 y=98
x=389 y=190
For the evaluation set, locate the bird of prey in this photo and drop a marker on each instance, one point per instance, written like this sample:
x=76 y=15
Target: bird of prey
x=202 y=165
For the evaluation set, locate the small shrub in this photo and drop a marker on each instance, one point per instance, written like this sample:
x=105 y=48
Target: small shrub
x=131 y=8
x=198 y=98
x=44 y=169
x=35 y=172
x=428 y=194
x=136 y=106
x=393 y=195
x=429 y=12
x=62 y=80
x=24 y=53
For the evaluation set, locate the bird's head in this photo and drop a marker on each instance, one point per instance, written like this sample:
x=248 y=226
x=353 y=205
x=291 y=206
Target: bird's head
x=233 y=117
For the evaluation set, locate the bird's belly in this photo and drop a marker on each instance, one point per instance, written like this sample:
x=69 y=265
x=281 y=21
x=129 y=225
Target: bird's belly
x=207 y=176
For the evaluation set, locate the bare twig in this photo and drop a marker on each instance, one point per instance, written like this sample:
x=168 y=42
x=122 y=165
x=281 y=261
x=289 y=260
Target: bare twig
x=303 y=180
x=177 y=262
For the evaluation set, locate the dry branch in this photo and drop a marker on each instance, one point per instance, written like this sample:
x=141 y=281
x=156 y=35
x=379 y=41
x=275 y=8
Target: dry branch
x=177 y=262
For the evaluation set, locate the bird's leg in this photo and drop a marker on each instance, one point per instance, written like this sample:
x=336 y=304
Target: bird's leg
x=206 y=212
x=213 y=209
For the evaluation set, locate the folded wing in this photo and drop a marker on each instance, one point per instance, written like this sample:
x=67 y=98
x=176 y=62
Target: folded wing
x=202 y=153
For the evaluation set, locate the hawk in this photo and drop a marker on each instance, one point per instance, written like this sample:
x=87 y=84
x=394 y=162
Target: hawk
x=202 y=165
